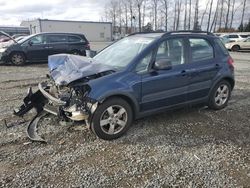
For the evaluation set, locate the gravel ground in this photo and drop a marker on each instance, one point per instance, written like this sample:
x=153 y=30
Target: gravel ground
x=185 y=148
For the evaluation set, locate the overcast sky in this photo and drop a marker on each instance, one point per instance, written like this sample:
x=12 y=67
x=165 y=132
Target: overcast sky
x=12 y=12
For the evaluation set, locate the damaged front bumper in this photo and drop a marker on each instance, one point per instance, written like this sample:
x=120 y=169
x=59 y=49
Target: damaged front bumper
x=75 y=107
x=42 y=88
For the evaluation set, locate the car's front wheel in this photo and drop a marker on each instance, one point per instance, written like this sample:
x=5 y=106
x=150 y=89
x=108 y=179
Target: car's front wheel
x=17 y=58
x=220 y=95
x=112 y=119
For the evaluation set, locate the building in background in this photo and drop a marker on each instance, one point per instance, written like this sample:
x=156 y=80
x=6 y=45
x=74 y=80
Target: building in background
x=94 y=31
x=15 y=30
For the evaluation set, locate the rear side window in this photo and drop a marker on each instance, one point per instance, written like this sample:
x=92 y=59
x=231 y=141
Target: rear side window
x=75 y=39
x=201 y=50
x=39 y=39
x=57 y=38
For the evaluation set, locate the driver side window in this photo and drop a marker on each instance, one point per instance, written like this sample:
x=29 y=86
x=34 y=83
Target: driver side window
x=172 y=50
x=39 y=39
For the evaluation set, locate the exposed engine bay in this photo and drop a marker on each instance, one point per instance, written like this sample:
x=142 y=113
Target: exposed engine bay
x=65 y=94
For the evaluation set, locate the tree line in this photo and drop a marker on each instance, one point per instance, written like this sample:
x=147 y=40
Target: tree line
x=129 y=16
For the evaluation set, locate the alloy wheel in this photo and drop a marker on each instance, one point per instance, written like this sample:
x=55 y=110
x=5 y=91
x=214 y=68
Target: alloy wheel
x=221 y=95
x=17 y=59
x=113 y=119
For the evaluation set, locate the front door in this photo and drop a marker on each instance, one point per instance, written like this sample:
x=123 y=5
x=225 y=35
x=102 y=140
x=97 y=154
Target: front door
x=36 y=48
x=165 y=88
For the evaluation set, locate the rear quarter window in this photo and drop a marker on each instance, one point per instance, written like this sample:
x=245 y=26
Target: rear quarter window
x=76 y=39
x=201 y=49
x=221 y=46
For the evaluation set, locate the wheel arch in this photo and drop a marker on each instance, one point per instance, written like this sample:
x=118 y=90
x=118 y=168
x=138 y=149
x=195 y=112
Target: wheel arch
x=18 y=51
x=229 y=79
x=132 y=102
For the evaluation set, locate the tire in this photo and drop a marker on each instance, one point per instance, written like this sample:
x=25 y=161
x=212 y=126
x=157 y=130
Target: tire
x=115 y=115
x=17 y=58
x=235 y=48
x=220 y=95
x=76 y=52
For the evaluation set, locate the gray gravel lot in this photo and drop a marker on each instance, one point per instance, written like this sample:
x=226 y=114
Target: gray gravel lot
x=193 y=147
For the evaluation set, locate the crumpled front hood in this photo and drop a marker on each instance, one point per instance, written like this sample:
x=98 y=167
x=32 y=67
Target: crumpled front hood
x=66 y=68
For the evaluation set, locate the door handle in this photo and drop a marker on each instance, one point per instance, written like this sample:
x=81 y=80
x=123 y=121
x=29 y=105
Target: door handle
x=184 y=73
x=217 y=66
x=48 y=47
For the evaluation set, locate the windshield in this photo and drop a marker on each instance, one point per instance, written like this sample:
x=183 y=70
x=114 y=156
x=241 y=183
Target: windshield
x=24 y=39
x=121 y=53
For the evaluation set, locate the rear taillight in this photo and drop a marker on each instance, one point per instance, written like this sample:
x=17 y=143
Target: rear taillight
x=230 y=62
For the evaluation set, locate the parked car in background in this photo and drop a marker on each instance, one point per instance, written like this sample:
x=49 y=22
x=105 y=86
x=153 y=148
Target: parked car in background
x=18 y=35
x=38 y=47
x=134 y=77
x=240 y=45
x=235 y=37
x=225 y=40
x=4 y=38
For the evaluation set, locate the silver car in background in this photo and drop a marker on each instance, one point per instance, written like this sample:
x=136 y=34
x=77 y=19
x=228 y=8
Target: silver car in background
x=240 y=45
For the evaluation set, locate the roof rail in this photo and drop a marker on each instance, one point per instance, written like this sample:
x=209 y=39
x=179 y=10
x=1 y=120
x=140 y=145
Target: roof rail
x=145 y=32
x=187 y=31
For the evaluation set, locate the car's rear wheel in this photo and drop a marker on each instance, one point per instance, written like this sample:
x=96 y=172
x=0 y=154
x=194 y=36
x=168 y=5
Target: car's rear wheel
x=76 y=52
x=17 y=58
x=235 y=48
x=112 y=119
x=220 y=95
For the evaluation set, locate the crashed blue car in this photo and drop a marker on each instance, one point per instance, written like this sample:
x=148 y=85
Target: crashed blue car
x=135 y=77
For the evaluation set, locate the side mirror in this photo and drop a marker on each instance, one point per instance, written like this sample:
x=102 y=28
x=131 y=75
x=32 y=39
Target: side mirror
x=162 y=64
x=30 y=43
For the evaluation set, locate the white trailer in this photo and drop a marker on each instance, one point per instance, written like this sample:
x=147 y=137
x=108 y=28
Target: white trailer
x=94 y=31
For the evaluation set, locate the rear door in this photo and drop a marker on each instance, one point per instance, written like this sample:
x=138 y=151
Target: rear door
x=202 y=69
x=57 y=43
